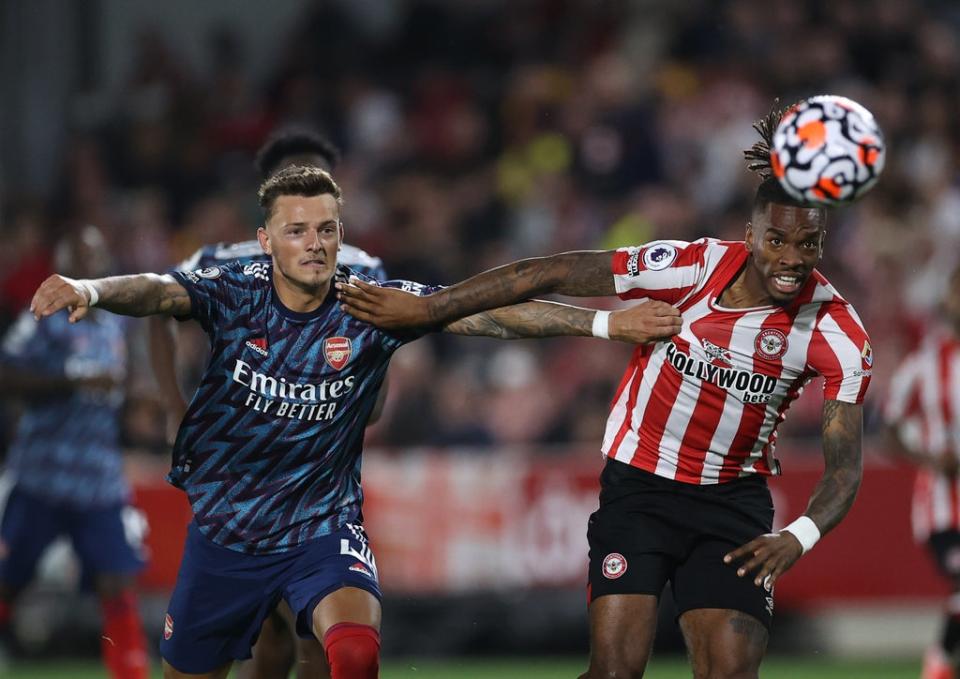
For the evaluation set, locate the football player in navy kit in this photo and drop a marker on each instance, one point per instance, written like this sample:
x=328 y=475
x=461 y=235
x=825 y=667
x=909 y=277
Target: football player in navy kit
x=269 y=448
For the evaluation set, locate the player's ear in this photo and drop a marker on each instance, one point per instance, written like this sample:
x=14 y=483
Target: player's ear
x=748 y=238
x=264 y=240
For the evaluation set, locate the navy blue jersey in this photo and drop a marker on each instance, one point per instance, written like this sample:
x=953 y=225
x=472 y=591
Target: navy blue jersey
x=250 y=251
x=269 y=449
x=66 y=446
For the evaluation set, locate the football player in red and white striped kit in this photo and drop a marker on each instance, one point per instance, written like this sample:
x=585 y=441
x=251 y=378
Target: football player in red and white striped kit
x=923 y=416
x=691 y=435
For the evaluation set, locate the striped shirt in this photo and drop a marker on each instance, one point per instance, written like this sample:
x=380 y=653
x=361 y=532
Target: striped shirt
x=703 y=407
x=924 y=405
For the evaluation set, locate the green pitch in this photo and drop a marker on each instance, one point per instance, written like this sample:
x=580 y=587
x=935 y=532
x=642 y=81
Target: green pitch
x=544 y=668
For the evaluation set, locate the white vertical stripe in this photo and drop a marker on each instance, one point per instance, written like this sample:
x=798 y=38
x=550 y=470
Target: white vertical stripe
x=848 y=356
x=619 y=411
x=942 y=510
x=936 y=430
x=648 y=377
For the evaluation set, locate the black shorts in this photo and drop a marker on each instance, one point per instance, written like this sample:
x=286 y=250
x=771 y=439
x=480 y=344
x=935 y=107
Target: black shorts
x=945 y=546
x=650 y=530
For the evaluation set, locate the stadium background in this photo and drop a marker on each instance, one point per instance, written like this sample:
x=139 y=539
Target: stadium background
x=474 y=133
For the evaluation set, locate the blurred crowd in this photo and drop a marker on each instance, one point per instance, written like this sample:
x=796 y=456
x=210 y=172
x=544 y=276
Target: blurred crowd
x=474 y=133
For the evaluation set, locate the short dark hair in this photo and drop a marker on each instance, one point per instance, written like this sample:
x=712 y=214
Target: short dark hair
x=294 y=141
x=758 y=161
x=296 y=180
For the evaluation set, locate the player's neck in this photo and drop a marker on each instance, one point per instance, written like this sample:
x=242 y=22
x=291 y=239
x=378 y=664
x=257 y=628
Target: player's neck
x=299 y=298
x=746 y=292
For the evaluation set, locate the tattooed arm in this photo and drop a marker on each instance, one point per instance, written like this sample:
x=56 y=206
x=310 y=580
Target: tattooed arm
x=138 y=295
x=638 y=324
x=581 y=274
x=769 y=556
x=843 y=464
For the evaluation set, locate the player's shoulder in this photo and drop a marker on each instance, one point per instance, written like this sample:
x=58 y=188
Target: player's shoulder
x=236 y=272
x=353 y=257
x=215 y=254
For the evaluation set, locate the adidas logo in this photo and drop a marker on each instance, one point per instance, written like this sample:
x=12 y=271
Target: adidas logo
x=258 y=344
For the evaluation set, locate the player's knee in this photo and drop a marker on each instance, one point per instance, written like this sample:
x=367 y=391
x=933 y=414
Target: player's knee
x=353 y=651
x=615 y=668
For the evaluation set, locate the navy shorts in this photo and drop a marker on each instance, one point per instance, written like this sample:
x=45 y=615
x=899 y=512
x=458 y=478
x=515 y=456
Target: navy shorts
x=223 y=596
x=651 y=530
x=107 y=540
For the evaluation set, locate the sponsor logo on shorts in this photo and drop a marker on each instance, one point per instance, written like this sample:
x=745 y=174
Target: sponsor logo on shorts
x=360 y=568
x=167 y=627
x=659 y=256
x=337 y=351
x=614 y=565
x=771 y=343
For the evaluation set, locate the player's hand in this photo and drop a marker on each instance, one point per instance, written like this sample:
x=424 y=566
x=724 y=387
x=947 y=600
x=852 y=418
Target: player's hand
x=386 y=308
x=766 y=558
x=59 y=292
x=651 y=321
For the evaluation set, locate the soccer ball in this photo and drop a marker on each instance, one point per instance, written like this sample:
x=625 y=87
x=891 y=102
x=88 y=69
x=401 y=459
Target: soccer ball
x=827 y=150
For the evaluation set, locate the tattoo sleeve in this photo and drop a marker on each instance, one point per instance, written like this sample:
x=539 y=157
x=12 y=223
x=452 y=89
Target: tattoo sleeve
x=579 y=274
x=843 y=465
x=530 y=319
x=142 y=295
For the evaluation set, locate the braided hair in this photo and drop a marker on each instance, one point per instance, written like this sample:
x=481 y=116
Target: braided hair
x=758 y=161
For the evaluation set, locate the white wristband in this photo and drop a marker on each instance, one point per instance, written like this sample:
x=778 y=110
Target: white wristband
x=601 y=324
x=92 y=295
x=804 y=530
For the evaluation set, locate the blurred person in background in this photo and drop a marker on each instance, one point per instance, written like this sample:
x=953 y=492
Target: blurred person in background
x=923 y=419
x=278 y=646
x=269 y=449
x=65 y=459
x=691 y=435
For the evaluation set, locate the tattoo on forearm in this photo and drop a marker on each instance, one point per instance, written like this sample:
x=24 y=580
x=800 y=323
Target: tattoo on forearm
x=142 y=295
x=582 y=274
x=531 y=319
x=837 y=489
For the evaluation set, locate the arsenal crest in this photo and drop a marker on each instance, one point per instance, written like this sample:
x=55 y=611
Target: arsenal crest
x=167 y=627
x=337 y=351
x=771 y=343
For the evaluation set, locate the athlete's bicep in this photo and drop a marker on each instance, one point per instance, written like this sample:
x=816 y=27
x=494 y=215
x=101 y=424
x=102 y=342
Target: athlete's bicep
x=174 y=298
x=588 y=274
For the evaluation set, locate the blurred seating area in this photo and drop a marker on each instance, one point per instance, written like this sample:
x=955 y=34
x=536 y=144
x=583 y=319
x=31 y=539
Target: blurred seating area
x=478 y=132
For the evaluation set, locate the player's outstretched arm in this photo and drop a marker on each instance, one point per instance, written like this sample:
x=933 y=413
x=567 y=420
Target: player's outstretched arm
x=639 y=324
x=769 y=556
x=138 y=295
x=580 y=274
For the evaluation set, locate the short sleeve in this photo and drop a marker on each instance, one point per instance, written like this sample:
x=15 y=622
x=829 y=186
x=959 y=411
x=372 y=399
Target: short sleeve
x=215 y=292
x=840 y=351
x=665 y=270
x=421 y=290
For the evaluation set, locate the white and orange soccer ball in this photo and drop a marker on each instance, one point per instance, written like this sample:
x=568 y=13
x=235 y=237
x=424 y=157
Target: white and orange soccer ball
x=827 y=150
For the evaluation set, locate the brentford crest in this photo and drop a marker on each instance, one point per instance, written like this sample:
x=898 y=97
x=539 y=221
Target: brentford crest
x=771 y=343
x=336 y=351
x=614 y=565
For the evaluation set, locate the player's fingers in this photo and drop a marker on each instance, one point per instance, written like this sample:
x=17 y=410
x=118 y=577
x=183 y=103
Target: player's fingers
x=359 y=314
x=78 y=313
x=348 y=291
x=739 y=553
x=363 y=285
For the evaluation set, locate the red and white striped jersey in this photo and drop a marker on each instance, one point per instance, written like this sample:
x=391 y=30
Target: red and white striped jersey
x=704 y=406
x=924 y=406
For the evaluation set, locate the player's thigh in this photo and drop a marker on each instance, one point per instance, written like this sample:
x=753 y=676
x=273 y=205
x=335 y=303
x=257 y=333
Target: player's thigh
x=28 y=527
x=311 y=660
x=109 y=543
x=273 y=653
x=170 y=672
x=338 y=583
x=622 y=629
x=347 y=604
x=724 y=643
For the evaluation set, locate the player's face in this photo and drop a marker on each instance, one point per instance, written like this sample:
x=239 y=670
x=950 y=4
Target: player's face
x=786 y=242
x=303 y=236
